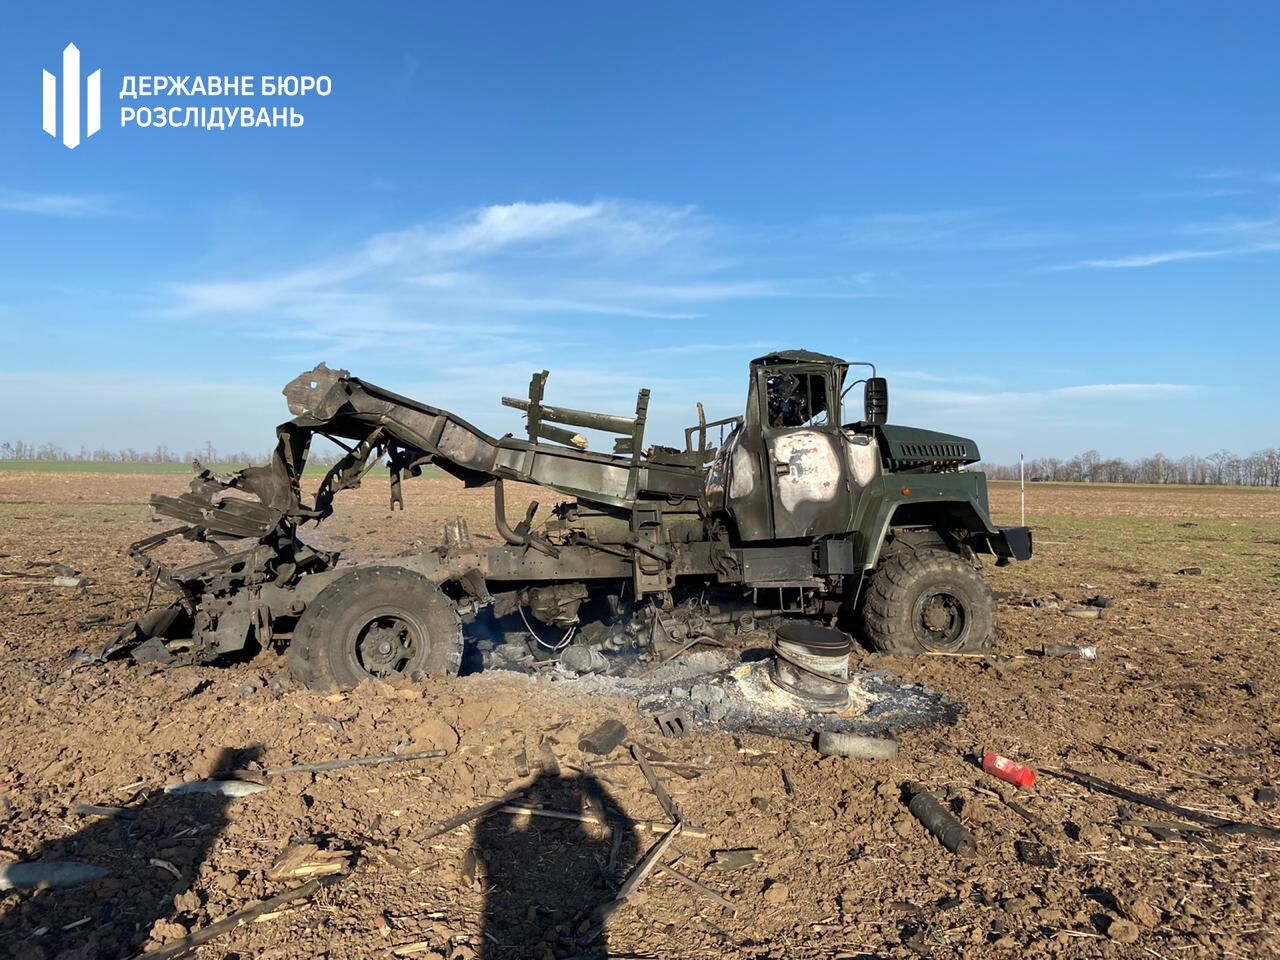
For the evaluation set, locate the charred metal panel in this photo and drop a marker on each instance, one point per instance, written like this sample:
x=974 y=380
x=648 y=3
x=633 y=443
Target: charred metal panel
x=809 y=485
x=574 y=563
x=776 y=564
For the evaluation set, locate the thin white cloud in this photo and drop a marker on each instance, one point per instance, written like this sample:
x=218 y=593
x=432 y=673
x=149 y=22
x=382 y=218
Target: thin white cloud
x=1240 y=174
x=1233 y=236
x=1124 y=389
x=955 y=400
x=1236 y=226
x=57 y=204
x=976 y=229
x=1138 y=261
x=926 y=376
x=607 y=258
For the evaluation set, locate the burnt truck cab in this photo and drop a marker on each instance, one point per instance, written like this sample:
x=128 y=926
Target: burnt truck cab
x=793 y=470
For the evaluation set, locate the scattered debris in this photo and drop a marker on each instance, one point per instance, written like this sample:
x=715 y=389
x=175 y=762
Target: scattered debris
x=219 y=788
x=305 y=860
x=1069 y=650
x=185 y=945
x=32 y=876
x=1219 y=824
x=547 y=759
x=167 y=867
x=1039 y=824
x=648 y=863
x=417 y=948
x=474 y=813
x=664 y=799
x=324 y=765
x=736 y=859
x=700 y=887
x=1097 y=601
x=604 y=739
x=787 y=783
x=1010 y=771
x=1034 y=854
x=582 y=659
x=1128 y=757
x=850 y=745
x=672 y=723
x=811 y=662
x=1086 y=613
x=94 y=810
x=939 y=821
x=647 y=826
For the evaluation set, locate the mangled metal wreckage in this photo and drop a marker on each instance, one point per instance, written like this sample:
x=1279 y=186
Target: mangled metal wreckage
x=794 y=514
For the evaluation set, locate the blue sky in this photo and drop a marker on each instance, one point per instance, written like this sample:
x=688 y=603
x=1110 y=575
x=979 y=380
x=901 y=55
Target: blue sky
x=1053 y=226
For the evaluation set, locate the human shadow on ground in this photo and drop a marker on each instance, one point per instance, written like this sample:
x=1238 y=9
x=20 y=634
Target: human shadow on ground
x=110 y=918
x=544 y=879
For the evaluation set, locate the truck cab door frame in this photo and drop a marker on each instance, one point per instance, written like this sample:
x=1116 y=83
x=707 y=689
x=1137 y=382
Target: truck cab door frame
x=802 y=448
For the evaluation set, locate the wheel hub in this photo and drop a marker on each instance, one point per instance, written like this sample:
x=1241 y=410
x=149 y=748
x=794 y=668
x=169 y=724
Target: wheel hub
x=941 y=620
x=386 y=645
x=936 y=616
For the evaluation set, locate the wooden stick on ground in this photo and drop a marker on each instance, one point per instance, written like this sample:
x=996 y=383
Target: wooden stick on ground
x=668 y=805
x=224 y=926
x=647 y=826
x=646 y=866
x=466 y=816
x=323 y=765
x=700 y=887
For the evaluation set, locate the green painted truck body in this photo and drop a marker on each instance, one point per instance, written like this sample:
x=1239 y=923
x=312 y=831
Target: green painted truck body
x=796 y=499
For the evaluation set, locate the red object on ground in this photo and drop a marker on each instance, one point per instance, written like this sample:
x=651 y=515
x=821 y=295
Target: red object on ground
x=1008 y=770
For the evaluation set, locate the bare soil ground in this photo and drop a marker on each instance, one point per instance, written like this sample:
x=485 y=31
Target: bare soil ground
x=1181 y=703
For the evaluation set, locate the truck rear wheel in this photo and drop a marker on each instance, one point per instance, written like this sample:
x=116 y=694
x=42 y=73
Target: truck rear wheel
x=376 y=623
x=925 y=600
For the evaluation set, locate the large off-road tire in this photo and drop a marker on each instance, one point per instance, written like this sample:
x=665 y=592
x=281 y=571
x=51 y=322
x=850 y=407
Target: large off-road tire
x=925 y=600
x=376 y=622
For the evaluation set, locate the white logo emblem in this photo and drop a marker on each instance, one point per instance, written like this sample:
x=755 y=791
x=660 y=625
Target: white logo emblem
x=71 y=100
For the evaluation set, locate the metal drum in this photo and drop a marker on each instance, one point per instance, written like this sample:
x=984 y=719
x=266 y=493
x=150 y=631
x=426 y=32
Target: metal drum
x=811 y=662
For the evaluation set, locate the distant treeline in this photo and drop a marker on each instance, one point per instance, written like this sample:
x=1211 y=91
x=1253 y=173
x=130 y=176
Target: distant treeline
x=1259 y=469
x=208 y=454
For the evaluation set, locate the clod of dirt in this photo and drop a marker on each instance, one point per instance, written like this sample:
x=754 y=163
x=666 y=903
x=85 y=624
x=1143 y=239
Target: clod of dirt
x=1090 y=835
x=434 y=734
x=776 y=892
x=1141 y=912
x=1122 y=931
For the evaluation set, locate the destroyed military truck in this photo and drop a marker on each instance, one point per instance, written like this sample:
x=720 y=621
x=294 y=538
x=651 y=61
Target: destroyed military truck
x=791 y=513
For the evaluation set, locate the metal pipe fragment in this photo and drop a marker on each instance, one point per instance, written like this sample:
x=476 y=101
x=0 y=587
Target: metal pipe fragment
x=940 y=822
x=219 y=788
x=832 y=744
x=577 y=418
x=29 y=876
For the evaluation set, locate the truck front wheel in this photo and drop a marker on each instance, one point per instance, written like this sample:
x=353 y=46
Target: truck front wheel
x=376 y=622
x=928 y=600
